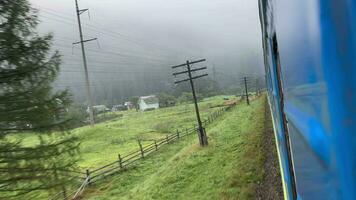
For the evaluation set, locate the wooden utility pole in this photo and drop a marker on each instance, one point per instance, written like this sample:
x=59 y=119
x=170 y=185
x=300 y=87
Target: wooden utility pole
x=82 y=41
x=246 y=91
x=216 y=84
x=203 y=139
x=214 y=73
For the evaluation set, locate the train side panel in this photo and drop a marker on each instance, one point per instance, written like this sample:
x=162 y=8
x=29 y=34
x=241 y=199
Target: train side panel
x=315 y=43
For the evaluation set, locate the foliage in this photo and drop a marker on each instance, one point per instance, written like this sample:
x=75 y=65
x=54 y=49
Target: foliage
x=29 y=105
x=203 y=86
x=166 y=100
x=108 y=116
x=229 y=168
x=188 y=97
x=97 y=146
x=77 y=115
x=101 y=144
x=134 y=101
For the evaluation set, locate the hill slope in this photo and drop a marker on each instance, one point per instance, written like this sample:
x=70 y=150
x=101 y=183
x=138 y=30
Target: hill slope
x=230 y=168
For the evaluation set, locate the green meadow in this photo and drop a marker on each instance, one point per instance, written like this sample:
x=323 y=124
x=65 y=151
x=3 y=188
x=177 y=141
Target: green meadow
x=229 y=168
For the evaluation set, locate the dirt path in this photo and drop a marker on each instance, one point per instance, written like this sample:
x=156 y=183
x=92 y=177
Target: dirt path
x=271 y=186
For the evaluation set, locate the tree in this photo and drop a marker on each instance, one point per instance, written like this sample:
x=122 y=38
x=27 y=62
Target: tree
x=205 y=86
x=188 y=97
x=166 y=100
x=134 y=101
x=29 y=108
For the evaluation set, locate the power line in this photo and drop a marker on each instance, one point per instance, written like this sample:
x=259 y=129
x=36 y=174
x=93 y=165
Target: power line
x=117 y=54
x=108 y=72
x=102 y=30
x=113 y=49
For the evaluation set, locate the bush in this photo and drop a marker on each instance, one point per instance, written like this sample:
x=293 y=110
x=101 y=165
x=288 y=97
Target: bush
x=149 y=109
x=163 y=127
x=188 y=97
x=77 y=115
x=166 y=100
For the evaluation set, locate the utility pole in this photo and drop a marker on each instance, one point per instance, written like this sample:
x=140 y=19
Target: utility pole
x=246 y=91
x=82 y=41
x=216 y=85
x=257 y=88
x=214 y=73
x=203 y=139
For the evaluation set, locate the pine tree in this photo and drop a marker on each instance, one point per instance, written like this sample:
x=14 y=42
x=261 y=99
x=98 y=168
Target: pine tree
x=30 y=109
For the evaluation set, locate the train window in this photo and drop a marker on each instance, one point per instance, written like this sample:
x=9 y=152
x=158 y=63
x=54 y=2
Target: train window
x=278 y=73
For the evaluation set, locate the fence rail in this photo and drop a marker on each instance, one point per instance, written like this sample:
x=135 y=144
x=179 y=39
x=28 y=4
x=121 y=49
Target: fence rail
x=92 y=176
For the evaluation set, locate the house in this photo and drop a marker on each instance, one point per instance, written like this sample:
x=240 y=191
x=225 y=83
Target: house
x=99 y=109
x=129 y=105
x=148 y=102
x=119 y=107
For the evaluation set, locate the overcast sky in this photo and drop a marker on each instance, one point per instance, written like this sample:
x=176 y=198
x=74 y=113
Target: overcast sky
x=148 y=35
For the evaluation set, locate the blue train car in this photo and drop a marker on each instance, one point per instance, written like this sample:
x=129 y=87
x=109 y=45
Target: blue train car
x=310 y=61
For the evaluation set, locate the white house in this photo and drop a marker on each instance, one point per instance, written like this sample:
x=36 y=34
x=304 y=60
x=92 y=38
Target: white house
x=148 y=102
x=99 y=109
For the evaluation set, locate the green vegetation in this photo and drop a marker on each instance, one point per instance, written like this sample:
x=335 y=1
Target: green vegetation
x=229 y=168
x=28 y=69
x=101 y=144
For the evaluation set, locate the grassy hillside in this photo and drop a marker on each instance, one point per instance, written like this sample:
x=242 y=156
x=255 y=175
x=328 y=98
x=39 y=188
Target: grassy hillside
x=229 y=168
x=101 y=144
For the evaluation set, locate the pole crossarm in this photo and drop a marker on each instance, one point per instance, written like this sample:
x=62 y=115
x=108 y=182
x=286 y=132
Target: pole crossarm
x=203 y=139
x=190 y=78
x=81 y=11
x=193 y=70
x=189 y=63
x=84 y=41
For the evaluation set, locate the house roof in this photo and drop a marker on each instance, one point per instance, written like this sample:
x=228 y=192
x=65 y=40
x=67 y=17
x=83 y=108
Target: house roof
x=152 y=99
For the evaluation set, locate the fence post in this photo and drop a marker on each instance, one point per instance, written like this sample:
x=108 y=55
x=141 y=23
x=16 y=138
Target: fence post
x=139 y=144
x=156 y=145
x=120 y=161
x=88 y=176
x=177 y=134
x=167 y=139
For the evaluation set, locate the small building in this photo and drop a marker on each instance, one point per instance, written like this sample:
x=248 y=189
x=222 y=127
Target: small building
x=99 y=109
x=148 y=102
x=129 y=105
x=119 y=107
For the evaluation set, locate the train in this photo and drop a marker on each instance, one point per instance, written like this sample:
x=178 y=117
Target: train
x=310 y=62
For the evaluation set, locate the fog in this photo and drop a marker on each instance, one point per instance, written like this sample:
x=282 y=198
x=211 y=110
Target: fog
x=138 y=41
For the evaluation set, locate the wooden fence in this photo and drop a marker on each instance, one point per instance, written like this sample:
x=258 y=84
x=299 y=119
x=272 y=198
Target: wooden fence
x=91 y=176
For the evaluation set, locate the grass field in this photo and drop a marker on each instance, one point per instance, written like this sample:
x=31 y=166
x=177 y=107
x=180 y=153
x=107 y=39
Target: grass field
x=229 y=168
x=102 y=143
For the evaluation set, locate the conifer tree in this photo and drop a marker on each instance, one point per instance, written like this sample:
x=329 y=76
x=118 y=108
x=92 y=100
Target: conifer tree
x=36 y=152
